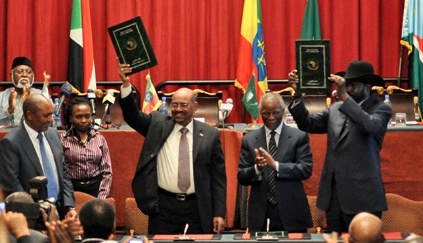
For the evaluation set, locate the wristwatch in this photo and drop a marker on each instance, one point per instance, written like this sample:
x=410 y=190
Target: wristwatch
x=69 y=208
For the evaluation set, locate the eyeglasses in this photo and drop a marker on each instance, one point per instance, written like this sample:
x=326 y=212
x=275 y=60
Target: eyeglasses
x=182 y=105
x=21 y=71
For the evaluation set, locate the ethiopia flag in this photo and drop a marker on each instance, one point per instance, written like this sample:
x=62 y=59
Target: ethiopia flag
x=311 y=22
x=81 y=69
x=411 y=37
x=151 y=99
x=251 y=56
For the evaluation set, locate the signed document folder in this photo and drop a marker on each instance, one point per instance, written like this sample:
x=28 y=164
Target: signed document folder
x=132 y=45
x=313 y=65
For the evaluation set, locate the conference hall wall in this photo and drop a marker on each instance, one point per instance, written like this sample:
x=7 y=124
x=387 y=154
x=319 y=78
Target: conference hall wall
x=199 y=40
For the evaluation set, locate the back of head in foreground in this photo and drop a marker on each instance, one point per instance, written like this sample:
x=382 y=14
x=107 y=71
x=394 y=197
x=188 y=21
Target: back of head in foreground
x=97 y=218
x=366 y=228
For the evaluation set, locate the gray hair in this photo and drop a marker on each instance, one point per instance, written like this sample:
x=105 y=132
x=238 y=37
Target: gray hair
x=269 y=97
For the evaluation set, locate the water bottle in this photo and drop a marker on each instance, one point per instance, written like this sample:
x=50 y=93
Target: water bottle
x=164 y=108
x=57 y=119
x=388 y=102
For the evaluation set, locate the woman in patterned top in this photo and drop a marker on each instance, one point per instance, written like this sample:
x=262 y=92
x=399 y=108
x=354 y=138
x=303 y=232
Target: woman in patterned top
x=86 y=152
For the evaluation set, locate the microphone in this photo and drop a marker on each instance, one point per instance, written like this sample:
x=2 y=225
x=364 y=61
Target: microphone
x=91 y=97
x=335 y=95
x=226 y=108
x=65 y=91
x=109 y=99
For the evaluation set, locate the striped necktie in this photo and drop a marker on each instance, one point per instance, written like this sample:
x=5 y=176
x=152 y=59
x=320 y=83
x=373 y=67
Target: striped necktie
x=271 y=192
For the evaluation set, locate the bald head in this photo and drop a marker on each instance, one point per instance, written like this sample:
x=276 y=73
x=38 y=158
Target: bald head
x=413 y=238
x=38 y=111
x=367 y=228
x=19 y=197
x=183 y=106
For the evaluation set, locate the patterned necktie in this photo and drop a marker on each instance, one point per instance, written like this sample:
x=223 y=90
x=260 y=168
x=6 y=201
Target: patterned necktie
x=48 y=170
x=271 y=192
x=183 y=166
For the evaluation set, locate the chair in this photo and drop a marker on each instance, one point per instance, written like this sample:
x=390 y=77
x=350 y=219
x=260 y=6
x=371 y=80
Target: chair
x=403 y=100
x=318 y=216
x=231 y=145
x=82 y=197
x=403 y=215
x=136 y=221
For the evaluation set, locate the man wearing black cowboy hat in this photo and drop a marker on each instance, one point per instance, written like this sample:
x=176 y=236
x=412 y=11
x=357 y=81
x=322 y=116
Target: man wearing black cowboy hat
x=11 y=99
x=351 y=181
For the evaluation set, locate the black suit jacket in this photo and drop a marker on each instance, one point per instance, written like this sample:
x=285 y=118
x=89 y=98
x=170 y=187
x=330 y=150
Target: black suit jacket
x=19 y=163
x=209 y=163
x=295 y=164
x=353 y=153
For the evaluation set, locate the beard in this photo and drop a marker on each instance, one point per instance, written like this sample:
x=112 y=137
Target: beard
x=21 y=85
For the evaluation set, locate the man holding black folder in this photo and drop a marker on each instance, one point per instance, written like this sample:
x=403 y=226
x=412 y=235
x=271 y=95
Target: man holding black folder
x=351 y=180
x=180 y=179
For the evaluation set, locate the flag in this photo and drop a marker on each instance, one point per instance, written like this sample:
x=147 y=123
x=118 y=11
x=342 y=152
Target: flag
x=411 y=37
x=311 y=22
x=44 y=91
x=81 y=69
x=151 y=99
x=250 y=99
x=251 y=56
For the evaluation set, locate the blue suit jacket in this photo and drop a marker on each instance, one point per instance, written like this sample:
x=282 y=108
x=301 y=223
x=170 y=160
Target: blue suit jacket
x=295 y=164
x=353 y=155
x=19 y=163
x=209 y=163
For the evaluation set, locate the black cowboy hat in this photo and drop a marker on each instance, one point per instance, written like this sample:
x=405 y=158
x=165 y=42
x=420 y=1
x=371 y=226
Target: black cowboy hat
x=364 y=72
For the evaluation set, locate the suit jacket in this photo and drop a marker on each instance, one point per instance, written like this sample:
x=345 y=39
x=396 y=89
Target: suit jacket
x=208 y=159
x=19 y=163
x=295 y=164
x=353 y=153
x=34 y=235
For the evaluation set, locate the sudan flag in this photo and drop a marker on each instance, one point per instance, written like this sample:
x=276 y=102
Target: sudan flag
x=251 y=57
x=81 y=69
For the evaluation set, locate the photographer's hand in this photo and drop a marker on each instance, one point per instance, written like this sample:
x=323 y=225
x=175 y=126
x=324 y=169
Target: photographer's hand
x=71 y=214
x=74 y=225
x=16 y=223
x=60 y=232
x=53 y=216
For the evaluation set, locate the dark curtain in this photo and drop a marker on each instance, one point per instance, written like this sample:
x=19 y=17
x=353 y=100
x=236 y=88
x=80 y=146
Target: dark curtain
x=198 y=39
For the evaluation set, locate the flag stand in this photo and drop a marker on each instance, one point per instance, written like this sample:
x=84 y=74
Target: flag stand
x=400 y=66
x=253 y=125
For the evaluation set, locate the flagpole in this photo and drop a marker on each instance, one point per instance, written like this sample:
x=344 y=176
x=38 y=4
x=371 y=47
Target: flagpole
x=400 y=66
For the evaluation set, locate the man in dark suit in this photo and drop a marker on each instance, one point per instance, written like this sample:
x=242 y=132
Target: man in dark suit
x=279 y=169
x=171 y=200
x=21 y=158
x=351 y=181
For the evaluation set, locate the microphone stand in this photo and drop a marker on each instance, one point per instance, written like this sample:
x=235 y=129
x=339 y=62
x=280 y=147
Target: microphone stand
x=109 y=123
x=223 y=124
